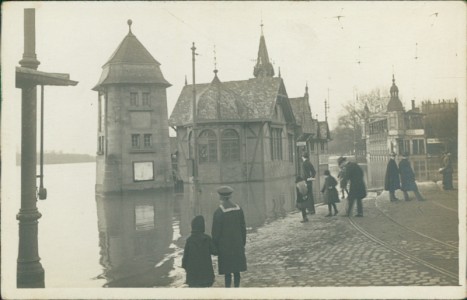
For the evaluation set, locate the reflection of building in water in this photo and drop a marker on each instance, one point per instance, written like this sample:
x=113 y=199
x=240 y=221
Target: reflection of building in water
x=395 y=130
x=312 y=137
x=135 y=232
x=133 y=136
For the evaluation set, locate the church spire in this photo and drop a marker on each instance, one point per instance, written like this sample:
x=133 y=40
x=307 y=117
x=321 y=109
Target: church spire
x=263 y=67
x=394 y=103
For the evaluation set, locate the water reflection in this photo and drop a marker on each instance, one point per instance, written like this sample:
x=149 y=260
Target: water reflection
x=142 y=234
x=135 y=234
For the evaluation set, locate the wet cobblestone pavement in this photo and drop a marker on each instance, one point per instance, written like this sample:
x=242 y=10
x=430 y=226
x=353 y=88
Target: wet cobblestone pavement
x=330 y=251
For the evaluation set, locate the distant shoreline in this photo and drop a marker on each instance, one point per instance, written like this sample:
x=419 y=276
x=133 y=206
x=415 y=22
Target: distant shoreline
x=53 y=158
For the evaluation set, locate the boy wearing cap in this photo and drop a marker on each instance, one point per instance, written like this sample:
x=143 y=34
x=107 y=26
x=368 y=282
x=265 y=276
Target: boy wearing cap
x=197 y=256
x=229 y=236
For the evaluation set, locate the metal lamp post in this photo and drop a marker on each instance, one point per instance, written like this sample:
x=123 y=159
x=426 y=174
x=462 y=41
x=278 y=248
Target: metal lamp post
x=30 y=273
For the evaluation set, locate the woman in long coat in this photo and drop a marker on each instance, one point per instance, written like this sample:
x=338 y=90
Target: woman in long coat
x=229 y=236
x=408 y=178
x=391 y=180
x=331 y=197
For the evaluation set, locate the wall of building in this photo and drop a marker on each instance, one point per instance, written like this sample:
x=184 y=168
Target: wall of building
x=115 y=166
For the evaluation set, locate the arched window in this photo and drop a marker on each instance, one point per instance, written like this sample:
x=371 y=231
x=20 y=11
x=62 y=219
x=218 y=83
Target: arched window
x=230 y=145
x=190 y=146
x=207 y=146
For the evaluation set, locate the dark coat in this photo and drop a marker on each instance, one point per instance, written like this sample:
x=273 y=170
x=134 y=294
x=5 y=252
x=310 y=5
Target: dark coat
x=197 y=256
x=302 y=200
x=391 y=180
x=407 y=176
x=447 y=164
x=229 y=236
x=329 y=190
x=354 y=174
x=308 y=172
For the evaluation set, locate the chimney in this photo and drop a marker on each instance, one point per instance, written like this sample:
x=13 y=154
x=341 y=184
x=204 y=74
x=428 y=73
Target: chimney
x=413 y=104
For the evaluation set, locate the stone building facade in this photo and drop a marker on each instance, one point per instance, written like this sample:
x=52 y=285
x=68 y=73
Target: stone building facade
x=133 y=136
x=395 y=130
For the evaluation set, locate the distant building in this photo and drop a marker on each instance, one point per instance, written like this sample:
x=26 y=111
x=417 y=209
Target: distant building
x=133 y=134
x=441 y=126
x=395 y=130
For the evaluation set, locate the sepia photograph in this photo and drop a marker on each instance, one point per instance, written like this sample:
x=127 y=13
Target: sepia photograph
x=282 y=149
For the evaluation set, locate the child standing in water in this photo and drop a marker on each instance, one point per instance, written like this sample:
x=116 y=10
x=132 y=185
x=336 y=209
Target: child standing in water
x=197 y=256
x=331 y=196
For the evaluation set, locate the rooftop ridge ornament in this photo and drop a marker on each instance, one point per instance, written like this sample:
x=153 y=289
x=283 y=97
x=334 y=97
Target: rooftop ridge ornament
x=129 y=22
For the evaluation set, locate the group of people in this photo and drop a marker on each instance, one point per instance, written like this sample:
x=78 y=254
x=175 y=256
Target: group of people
x=400 y=177
x=351 y=174
x=227 y=242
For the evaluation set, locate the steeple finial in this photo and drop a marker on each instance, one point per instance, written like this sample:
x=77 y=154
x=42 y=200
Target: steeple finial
x=215 y=60
x=263 y=67
x=262 y=24
x=279 y=72
x=306 y=88
x=129 y=22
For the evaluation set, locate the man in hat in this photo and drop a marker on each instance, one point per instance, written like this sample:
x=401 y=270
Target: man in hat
x=408 y=178
x=391 y=180
x=229 y=236
x=447 y=172
x=357 y=189
x=309 y=174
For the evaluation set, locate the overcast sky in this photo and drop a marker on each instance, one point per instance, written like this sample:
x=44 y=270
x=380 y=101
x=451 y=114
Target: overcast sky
x=304 y=39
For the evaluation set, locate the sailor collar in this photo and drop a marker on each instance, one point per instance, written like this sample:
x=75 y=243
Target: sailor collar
x=236 y=207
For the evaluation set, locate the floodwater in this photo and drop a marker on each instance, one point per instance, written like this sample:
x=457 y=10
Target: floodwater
x=133 y=239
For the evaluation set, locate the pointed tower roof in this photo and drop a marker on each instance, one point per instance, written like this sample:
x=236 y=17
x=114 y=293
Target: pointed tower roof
x=394 y=103
x=263 y=67
x=131 y=62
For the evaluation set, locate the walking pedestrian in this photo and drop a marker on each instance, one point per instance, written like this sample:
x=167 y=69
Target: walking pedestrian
x=447 y=171
x=408 y=178
x=197 y=256
x=331 y=197
x=302 y=197
x=229 y=236
x=357 y=190
x=309 y=174
x=391 y=180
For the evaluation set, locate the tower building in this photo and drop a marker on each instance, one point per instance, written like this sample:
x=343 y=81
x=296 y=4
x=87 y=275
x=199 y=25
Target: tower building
x=133 y=150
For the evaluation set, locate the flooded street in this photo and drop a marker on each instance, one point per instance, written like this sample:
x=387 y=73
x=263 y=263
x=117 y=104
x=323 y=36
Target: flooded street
x=133 y=239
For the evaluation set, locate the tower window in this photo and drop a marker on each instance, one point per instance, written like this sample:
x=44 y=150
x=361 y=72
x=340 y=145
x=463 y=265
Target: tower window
x=100 y=141
x=146 y=99
x=276 y=144
x=147 y=140
x=134 y=99
x=135 y=143
x=291 y=147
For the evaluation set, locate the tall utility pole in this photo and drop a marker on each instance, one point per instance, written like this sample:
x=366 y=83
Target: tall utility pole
x=194 y=134
x=29 y=272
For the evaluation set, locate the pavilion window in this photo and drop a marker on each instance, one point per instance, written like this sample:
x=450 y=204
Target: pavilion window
x=190 y=146
x=276 y=143
x=291 y=147
x=230 y=144
x=207 y=146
